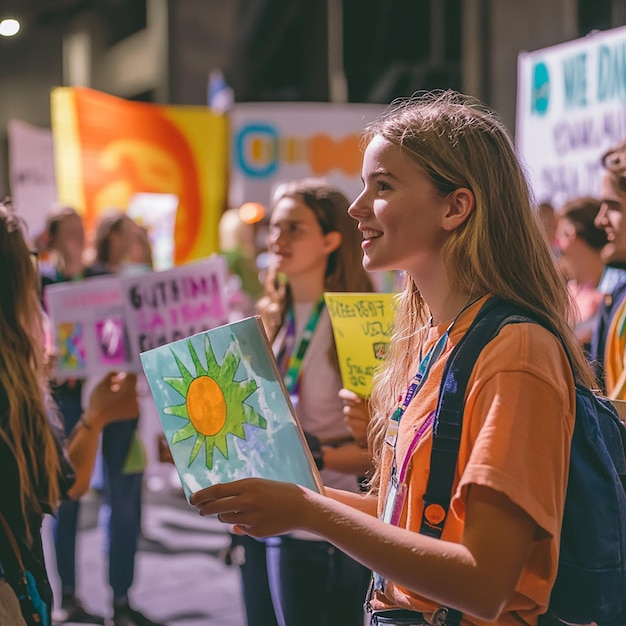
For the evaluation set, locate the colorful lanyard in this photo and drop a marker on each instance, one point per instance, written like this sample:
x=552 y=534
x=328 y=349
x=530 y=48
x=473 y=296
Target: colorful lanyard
x=397 y=488
x=418 y=381
x=415 y=385
x=293 y=366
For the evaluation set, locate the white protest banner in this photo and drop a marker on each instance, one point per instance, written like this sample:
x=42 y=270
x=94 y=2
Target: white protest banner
x=31 y=172
x=571 y=107
x=161 y=307
x=277 y=142
x=156 y=212
x=103 y=323
x=88 y=326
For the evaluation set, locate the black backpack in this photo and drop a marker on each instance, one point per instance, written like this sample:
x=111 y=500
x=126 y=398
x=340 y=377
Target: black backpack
x=591 y=581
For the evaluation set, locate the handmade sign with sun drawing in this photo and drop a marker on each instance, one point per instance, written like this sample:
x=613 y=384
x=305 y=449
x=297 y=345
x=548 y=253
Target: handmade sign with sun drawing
x=214 y=404
x=225 y=411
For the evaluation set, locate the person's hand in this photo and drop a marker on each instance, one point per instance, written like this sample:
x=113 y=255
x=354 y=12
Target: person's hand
x=256 y=506
x=113 y=399
x=356 y=415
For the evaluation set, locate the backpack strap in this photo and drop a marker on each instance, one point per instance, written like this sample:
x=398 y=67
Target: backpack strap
x=12 y=541
x=449 y=414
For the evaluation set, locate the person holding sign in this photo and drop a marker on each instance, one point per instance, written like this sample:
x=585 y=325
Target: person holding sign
x=446 y=200
x=313 y=247
x=122 y=451
x=65 y=239
x=38 y=466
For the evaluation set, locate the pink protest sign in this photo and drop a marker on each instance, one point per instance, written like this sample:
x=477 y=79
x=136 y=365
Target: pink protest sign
x=161 y=307
x=88 y=325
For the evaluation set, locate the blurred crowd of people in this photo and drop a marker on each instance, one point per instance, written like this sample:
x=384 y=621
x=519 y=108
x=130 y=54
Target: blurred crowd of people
x=311 y=242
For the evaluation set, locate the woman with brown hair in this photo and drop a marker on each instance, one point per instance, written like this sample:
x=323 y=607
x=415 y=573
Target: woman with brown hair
x=313 y=247
x=36 y=470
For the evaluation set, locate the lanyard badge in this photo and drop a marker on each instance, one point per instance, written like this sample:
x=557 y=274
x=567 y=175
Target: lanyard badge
x=397 y=488
x=393 y=424
x=291 y=364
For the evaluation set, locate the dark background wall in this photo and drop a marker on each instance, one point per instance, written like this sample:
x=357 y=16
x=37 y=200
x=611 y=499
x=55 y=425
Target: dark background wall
x=277 y=50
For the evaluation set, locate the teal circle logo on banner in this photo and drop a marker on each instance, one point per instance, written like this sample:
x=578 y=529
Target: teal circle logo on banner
x=540 y=89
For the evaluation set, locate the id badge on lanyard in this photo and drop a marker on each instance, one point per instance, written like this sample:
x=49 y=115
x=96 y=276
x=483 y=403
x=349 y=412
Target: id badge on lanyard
x=393 y=423
x=290 y=360
x=397 y=488
x=394 y=502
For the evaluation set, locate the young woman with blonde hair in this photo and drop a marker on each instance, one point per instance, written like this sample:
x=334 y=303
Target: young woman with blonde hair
x=445 y=199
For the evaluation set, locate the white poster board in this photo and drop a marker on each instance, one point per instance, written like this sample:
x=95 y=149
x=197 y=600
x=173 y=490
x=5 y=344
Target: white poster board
x=161 y=307
x=156 y=212
x=571 y=107
x=103 y=323
x=277 y=142
x=31 y=172
x=88 y=326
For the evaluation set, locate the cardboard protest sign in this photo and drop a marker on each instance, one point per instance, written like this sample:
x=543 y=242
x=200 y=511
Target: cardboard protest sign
x=362 y=325
x=89 y=327
x=161 y=307
x=103 y=323
x=225 y=411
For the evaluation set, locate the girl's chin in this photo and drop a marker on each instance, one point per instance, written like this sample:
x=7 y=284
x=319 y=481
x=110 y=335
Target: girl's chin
x=370 y=265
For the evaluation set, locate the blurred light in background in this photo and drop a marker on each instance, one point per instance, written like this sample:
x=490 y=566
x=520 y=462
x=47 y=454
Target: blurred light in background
x=251 y=212
x=9 y=27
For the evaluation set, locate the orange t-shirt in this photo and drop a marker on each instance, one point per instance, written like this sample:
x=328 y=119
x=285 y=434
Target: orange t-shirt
x=517 y=429
x=615 y=355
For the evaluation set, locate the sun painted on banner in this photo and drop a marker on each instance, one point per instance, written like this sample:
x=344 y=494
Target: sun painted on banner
x=224 y=409
x=215 y=405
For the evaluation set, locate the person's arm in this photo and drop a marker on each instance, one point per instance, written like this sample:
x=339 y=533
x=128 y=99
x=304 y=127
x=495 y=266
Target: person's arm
x=348 y=459
x=113 y=399
x=477 y=576
x=351 y=456
x=365 y=502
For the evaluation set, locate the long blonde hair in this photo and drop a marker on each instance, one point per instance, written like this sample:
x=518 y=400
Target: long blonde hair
x=499 y=250
x=25 y=427
x=344 y=268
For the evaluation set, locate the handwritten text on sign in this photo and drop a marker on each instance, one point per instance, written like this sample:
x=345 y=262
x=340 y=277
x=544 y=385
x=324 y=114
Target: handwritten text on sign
x=362 y=326
x=166 y=306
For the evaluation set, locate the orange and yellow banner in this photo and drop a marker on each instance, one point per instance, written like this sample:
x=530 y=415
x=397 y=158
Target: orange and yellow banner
x=107 y=149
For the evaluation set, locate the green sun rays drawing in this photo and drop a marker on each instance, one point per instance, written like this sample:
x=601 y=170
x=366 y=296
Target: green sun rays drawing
x=214 y=404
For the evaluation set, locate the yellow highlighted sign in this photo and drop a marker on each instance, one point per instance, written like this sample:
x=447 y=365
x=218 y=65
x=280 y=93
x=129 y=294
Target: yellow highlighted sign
x=362 y=325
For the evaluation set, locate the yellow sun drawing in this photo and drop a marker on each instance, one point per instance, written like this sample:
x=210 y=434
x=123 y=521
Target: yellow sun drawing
x=214 y=403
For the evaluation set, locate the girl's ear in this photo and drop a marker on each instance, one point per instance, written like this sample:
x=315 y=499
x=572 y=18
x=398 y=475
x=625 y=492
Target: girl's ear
x=332 y=241
x=461 y=202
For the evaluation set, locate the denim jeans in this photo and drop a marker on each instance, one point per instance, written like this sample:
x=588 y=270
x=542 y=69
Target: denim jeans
x=315 y=584
x=65 y=524
x=255 y=585
x=121 y=513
